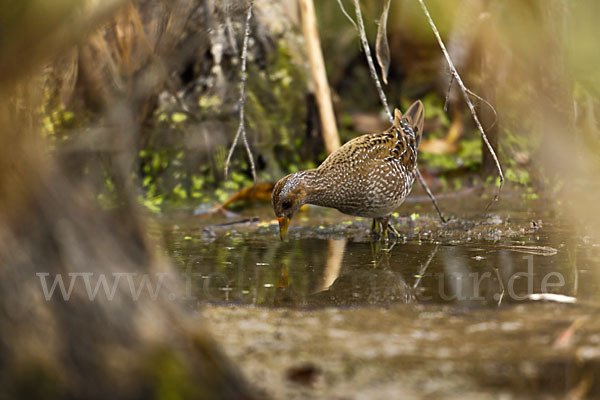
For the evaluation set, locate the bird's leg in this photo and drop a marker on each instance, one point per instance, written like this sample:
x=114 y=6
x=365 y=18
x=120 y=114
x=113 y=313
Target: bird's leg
x=375 y=228
x=379 y=229
x=384 y=227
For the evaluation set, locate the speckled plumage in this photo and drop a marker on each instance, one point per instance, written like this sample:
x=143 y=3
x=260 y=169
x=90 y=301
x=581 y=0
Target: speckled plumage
x=370 y=176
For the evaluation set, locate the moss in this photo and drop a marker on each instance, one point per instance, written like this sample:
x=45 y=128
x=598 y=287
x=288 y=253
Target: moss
x=276 y=107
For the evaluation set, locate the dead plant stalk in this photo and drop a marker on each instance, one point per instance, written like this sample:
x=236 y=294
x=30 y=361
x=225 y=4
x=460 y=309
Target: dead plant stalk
x=319 y=76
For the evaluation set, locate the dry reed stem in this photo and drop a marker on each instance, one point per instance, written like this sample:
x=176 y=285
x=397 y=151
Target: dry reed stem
x=319 y=76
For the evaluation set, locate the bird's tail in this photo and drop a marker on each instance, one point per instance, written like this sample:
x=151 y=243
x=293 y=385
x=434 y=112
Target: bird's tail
x=414 y=118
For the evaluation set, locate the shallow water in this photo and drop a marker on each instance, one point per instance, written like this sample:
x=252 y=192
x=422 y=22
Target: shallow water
x=329 y=260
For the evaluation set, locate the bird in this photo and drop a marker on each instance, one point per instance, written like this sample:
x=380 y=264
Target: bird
x=369 y=176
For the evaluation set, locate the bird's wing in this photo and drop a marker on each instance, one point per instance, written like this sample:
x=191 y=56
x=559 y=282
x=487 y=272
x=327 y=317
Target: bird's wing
x=392 y=145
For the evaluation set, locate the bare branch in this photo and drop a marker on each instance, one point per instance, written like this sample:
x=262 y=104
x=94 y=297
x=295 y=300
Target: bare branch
x=474 y=95
x=346 y=14
x=367 y=50
x=465 y=93
x=242 y=102
x=431 y=196
x=488 y=104
x=448 y=92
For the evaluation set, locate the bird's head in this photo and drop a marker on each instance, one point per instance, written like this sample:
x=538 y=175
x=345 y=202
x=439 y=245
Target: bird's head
x=289 y=194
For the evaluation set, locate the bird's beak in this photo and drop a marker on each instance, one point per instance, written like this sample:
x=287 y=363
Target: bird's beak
x=284 y=222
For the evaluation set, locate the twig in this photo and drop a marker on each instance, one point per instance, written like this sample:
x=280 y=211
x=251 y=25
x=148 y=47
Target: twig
x=465 y=95
x=382 y=97
x=242 y=101
x=431 y=196
x=448 y=92
x=367 y=50
x=487 y=103
x=346 y=14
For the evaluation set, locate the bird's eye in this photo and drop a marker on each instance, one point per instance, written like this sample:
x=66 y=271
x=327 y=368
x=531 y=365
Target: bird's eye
x=286 y=203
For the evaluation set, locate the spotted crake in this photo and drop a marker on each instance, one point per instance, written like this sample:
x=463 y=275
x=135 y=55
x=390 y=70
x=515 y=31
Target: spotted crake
x=370 y=176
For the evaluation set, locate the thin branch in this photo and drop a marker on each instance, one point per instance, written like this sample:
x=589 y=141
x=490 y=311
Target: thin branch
x=372 y=70
x=487 y=103
x=382 y=97
x=431 y=196
x=346 y=14
x=448 y=92
x=474 y=95
x=465 y=95
x=242 y=101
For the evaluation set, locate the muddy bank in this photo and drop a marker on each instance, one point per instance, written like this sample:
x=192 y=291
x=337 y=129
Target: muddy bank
x=414 y=351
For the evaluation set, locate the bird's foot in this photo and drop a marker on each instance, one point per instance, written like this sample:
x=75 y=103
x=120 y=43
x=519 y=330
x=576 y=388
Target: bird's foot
x=394 y=232
x=380 y=231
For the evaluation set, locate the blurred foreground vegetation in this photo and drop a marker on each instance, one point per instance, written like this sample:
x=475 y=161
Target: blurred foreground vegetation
x=79 y=346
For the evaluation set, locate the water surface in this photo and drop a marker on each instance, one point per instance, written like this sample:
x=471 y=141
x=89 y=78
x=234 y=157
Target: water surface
x=491 y=259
